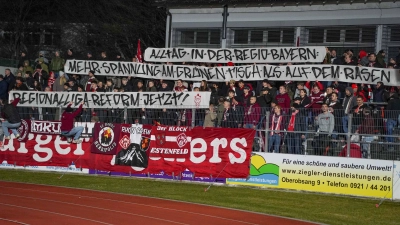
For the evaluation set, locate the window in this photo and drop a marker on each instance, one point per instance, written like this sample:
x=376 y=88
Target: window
x=315 y=35
x=52 y=37
x=215 y=37
x=352 y=35
x=202 y=37
x=395 y=33
x=288 y=36
x=274 y=36
x=187 y=37
x=256 y=36
x=241 y=36
x=32 y=36
x=368 y=34
x=332 y=35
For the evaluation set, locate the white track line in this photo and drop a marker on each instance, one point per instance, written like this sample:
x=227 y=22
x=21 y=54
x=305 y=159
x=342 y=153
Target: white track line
x=60 y=214
x=93 y=207
x=14 y=221
x=132 y=203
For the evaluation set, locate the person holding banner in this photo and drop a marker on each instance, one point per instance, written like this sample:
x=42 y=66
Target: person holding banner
x=12 y=118
x=67 y=123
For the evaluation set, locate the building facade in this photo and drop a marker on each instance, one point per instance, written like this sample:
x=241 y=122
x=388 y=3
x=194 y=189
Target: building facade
x=359 y=25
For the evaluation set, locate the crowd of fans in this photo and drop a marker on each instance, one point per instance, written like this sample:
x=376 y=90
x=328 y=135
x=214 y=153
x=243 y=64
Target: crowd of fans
x=294 y=106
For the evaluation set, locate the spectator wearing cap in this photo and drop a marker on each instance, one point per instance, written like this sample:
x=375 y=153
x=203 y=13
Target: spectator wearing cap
x=373 y=61
x=237 y=112
x=245 y=98
x=357 y=92
x=41 y=56
x=363 y=58
x=380 y=58
x=57 y=64
x=283 y=99
x=296 y=127
x=264 y=100
x=3 y=88
x=70 y=54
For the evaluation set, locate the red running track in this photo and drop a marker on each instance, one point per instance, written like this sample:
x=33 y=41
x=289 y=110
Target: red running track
x=39 y=204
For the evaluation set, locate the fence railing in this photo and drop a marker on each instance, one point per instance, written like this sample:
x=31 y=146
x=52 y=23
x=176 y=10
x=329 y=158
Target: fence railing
x=370 y=132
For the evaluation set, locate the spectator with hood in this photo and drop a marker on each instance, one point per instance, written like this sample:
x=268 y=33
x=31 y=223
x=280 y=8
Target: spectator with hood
x=380 y=58
x=363 y=58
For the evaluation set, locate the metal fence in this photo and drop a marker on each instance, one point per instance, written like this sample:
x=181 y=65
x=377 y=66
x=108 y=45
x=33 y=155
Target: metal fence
x=370 y=132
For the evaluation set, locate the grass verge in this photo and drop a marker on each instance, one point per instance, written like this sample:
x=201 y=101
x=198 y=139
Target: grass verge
x=307 y=206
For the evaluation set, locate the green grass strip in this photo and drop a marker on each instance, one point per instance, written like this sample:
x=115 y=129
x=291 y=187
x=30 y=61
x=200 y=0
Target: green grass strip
x=322 y=208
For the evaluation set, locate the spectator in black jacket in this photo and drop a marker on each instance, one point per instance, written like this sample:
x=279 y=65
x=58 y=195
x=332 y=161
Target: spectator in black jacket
x=296 y=125
x=228 y=119
x=391 y=114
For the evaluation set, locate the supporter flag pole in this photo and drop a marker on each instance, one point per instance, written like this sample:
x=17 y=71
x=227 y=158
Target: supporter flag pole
x=139 y=52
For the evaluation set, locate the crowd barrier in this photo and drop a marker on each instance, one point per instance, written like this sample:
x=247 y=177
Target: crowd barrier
x=39 y=151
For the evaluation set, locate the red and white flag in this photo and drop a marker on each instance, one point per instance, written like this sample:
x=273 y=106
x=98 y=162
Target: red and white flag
x=139 y=52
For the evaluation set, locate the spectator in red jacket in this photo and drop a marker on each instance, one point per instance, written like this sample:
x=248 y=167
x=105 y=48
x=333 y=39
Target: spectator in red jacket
x=283 y=99
x=316 y=97
x=366 y=129
x=12 y=118
x=67 y=123
x=357 y=92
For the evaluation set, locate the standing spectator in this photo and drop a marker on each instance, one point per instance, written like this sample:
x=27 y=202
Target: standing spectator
x=363 y=58
x=378 y=92
x=41 y=56
x=59 y=83
x=12 y=118
x=326 y=124
x=392 y=113
x=57 y=64
x=43 y=65
x=357 y=111
x=252 y=114
x=277 y=125
x=22 y=59
x=125 y=86
x=3 y=88
x=300 y=86
x=10 y=79
x=283 y=100
x=296 y=125
x=366 y=129
x=357 y=92
x=380 y=58
x=373 y=62
x=398 y=58
x=89 y=56
x=349 y=102
x=246 y=96
x=336 y=109
x=150 y=87
x=27 y=67
x=20 y=85
x=272 y=89
x=220 y=111
x=70 y=54
x=211 y=116
x=227 y=120
x=179 y=86
x=204 y=86
x=264 y=100
x=333 y=55
x=237 y=112
x=327 y=95
x=51 y=80
x=41 y=76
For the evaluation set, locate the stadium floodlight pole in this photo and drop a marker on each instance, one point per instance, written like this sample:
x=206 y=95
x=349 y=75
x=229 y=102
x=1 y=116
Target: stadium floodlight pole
x=74 y=162
x=384 y=197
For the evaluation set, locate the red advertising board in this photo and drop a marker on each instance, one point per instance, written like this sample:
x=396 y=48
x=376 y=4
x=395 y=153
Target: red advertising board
x=210 y=151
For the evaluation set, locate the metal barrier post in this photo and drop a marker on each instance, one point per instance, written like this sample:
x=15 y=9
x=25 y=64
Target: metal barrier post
x=266 y=130
x=349 y=125
x=125 y=115
x=60 y=113
x=193 y=117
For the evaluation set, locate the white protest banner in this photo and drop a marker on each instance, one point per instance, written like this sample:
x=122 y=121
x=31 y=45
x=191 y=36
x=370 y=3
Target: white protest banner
x=237 y=55
x=353 y=74
x=112 y=100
